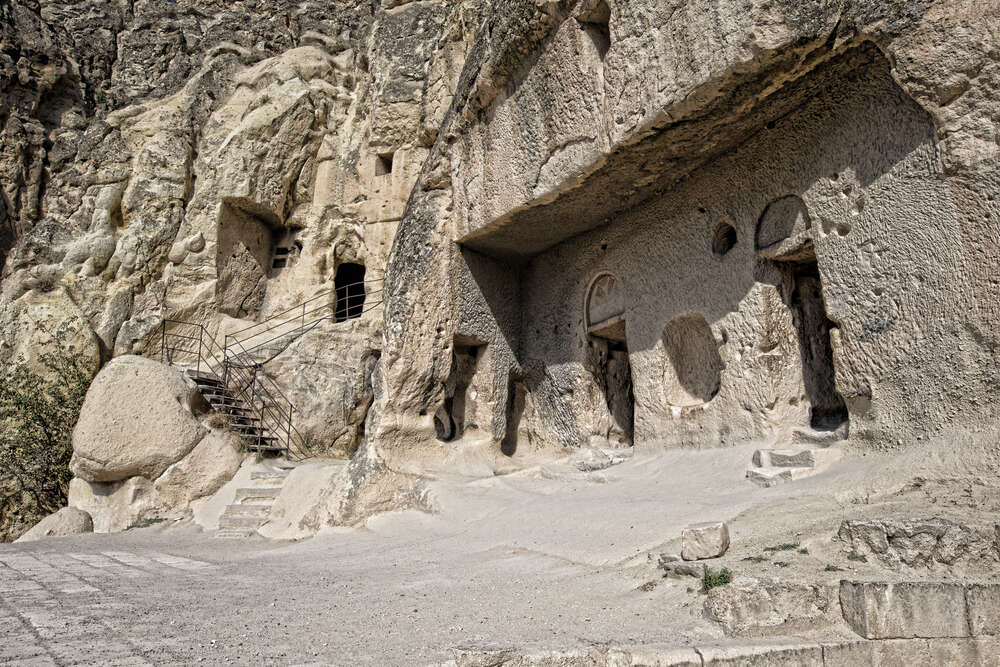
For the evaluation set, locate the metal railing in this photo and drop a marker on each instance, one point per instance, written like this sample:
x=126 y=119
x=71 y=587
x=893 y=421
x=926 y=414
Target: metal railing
x=272 y=336
x=238 y=364
x=190 y=345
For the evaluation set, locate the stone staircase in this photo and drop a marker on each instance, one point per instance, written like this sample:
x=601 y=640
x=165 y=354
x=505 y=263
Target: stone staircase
x=251 y=507
x=810 y=452
x=238 y=413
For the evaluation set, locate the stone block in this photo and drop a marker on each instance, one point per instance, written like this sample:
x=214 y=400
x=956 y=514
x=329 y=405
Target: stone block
x=800 y=655
x=704 y=540
x=752 y=607
x=984 y=609
x=877 y=610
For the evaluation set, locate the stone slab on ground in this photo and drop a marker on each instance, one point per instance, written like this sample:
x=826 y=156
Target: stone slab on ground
x=704 y=540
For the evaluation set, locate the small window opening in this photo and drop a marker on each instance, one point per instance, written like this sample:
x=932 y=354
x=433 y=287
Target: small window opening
x=349 y=284
x=723 y=239
x=280 y=259
x=384 y=164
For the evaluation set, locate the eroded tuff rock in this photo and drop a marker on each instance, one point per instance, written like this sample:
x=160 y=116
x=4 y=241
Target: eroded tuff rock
x=138 y=419
x=932 y=543
x=723 y=196
x=160 y=157
x=611 y=222
x=66 y=521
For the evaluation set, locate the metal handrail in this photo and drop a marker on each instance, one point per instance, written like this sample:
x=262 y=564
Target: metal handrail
x=291 y=333
x=314 y=297
x=242 y=381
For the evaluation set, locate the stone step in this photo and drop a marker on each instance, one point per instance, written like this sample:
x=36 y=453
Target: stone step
x=823 y=438
x=241 y=522
x=797 y=457
x=266 y=494
x=771 y=476
x=266 y=480
x=235 y=533
x=260 y=511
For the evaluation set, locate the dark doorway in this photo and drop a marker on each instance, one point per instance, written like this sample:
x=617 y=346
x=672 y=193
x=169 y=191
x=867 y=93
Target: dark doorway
x=612 y=371
x=516 y=395
x=449 y=421
x=350 y=288
x=828 y=410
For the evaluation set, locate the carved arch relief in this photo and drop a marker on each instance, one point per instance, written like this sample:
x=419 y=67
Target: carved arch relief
x=606 y=307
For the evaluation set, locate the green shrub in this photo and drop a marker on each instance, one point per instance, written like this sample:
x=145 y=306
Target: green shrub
x=855 y=556
x=713 y=579
x=37 y=413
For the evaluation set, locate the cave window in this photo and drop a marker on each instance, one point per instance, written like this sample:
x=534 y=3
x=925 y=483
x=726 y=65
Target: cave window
x=349 y=286
x=723 y=239
x=285 y=251
x=280 y=259
x=384 y=163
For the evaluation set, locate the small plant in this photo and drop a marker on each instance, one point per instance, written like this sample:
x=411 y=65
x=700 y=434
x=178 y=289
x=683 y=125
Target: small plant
x=856 y=557
x=217 y=420
x=146 y=523
x=804 y=551
x=833 y=568
x=781 y=563
x=788 y=546
x=756 y=559
x=714 y=578
x=39 y=406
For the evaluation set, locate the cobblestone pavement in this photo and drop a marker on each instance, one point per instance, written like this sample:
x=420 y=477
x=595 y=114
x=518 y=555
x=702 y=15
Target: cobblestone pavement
x=55 y=608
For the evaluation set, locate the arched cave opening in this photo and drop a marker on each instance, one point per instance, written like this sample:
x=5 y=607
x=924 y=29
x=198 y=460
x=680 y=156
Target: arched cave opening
x=610 y=363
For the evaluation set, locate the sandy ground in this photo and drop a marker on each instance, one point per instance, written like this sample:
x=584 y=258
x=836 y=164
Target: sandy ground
x=549 y=557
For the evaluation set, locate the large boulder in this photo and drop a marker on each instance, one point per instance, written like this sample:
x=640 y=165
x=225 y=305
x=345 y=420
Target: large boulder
x=67 y=521
x=137 y=420
x=211 y=464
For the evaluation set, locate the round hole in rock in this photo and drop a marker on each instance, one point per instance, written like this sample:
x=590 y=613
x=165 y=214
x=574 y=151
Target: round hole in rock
x=693 y=369
x=723 y=239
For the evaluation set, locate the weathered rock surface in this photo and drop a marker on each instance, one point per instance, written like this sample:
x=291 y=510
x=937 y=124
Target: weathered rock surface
x=758 y=607
x=751 y=176
x=137 y=419
x=704 y=540
x=922 y=543
x=66 y=521
x=118 y=506
x=204 y=470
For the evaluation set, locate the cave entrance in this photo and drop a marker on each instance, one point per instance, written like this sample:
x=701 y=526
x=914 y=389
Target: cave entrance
x=349 y=285
x=449 y=421
x=828 y=410
x=785 y=237
x=610 y=359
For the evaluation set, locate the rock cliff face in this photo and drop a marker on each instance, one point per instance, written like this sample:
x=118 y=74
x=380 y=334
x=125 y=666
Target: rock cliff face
x=612 y=222
x=779 y=217
x=217 y=164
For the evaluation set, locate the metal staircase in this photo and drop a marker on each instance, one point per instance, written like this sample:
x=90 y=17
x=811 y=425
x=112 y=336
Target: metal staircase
x=231 y=377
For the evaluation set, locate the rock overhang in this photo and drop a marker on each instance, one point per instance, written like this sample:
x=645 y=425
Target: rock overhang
x=649 y=163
